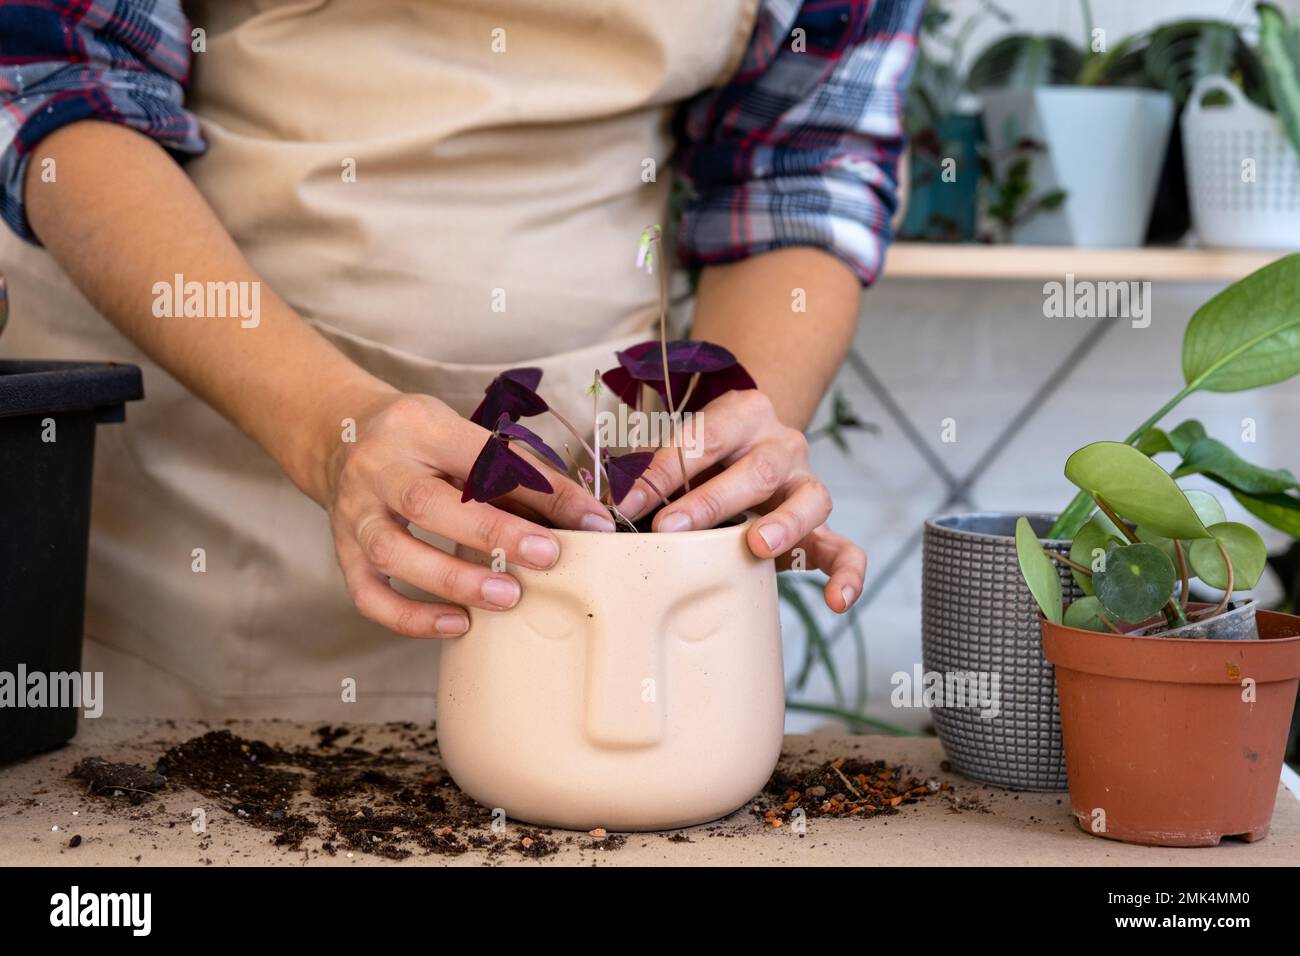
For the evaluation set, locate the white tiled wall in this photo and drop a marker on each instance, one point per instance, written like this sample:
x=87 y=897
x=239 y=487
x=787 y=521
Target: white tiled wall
x=973 y=352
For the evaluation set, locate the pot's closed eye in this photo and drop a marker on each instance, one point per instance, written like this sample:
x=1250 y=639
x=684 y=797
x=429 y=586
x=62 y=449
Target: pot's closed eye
x=697 y=616
x=553 y=614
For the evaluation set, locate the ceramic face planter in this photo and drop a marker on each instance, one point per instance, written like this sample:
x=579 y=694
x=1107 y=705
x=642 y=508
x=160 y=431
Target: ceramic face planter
x=637 y=685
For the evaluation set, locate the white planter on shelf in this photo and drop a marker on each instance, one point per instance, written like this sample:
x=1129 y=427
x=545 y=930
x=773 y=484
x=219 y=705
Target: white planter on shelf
x=1243 y=176
x=1103 y=146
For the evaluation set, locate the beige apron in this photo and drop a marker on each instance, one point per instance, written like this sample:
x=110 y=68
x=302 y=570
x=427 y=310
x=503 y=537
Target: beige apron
x=498 y=148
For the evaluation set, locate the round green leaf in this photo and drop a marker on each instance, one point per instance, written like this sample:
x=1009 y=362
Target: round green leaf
x=1088 y=614
x=1135 y=487
x=1039 y=571
x=1166 y=545
x=1136 y=583
x=1092 y=536
x=1207 y=508
x=1245 y=549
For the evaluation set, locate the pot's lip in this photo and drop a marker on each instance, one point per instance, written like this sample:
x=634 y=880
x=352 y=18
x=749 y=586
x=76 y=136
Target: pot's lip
x=1243 y=604
x=710 y=534
x=936 y=522
x=1111 y=91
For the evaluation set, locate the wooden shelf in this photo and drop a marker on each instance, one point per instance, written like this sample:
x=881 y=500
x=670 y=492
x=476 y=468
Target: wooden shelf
x=941 y=260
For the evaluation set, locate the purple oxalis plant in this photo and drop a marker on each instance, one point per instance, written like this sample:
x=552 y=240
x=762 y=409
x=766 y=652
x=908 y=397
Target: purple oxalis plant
x=686 y=375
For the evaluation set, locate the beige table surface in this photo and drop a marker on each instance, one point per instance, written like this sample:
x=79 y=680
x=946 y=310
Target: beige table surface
x=970 y=824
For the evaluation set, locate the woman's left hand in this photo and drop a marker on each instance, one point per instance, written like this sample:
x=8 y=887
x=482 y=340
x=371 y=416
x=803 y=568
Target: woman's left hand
x=761 y=465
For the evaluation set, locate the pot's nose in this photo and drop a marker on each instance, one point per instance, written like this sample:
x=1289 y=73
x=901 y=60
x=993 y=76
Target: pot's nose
x=625 y=689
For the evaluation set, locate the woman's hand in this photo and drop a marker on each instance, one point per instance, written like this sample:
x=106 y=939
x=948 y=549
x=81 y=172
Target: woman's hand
x=764 y=467
x=406 y=468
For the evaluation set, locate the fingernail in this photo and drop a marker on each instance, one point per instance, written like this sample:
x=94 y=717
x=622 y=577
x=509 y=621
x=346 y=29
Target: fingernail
x=501 y=592
x=847 y=594
x=773 y=536
x=633 y=503
x=538 y=551
x=451 y=624
x=591 y=522
x=675 y=522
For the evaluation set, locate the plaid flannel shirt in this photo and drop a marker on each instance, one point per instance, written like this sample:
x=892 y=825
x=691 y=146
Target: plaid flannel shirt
x=800 y=148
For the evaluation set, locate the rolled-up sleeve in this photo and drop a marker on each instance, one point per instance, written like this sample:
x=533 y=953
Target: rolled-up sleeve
x=801 y=147
x=121 y=61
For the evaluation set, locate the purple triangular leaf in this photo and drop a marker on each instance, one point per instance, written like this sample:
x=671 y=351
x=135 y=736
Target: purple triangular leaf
x=733 y=378
x=644 y=361
x=513 y=393
x=534 y=441
x=498 y=471
x=624 y=470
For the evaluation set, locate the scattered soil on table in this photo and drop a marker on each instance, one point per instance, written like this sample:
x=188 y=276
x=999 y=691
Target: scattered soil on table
x=118 y=779
x=840 y=788
x=336 y=798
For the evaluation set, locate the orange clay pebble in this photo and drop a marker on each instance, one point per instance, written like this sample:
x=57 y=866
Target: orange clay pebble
x=526 y=842
x=599 y=833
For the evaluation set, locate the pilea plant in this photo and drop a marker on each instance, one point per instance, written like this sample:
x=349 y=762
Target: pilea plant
x=685 y=375
x=1134 y=556
x=1246 y=337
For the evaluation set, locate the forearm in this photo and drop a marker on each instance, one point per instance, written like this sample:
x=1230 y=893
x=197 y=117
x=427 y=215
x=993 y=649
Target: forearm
x=121 y=217
x=751 y=308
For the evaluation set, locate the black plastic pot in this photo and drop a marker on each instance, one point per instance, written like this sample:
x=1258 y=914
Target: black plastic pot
x=45 y=528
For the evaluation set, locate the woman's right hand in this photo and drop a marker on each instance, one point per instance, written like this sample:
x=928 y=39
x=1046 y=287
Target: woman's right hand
x=406 y=467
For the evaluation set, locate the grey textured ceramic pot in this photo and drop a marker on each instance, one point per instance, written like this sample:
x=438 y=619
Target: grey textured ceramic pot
x=978 y=615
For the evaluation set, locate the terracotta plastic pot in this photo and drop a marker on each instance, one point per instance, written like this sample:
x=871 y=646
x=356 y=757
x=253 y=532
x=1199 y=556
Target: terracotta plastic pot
x=637 y=685
x=1175 y=742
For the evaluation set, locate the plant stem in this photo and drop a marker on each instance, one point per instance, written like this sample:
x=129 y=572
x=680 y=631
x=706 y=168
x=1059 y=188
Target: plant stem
x=1062 y=559
x=599 y=465
x=658 y=243
x=1182 y=574
x=690 y=389
x=653 y=488
x=595 y=432
x=1119 y=522
x=849 y=717
x=1173 y=613
x=1227 y=594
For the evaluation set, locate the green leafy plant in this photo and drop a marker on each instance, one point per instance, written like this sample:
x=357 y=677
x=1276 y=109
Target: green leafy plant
x=1246 y=337
x=1179 y=54
x=1140 y=549
x=1011 y=199
x=1136 y=536
x=1279 y=52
